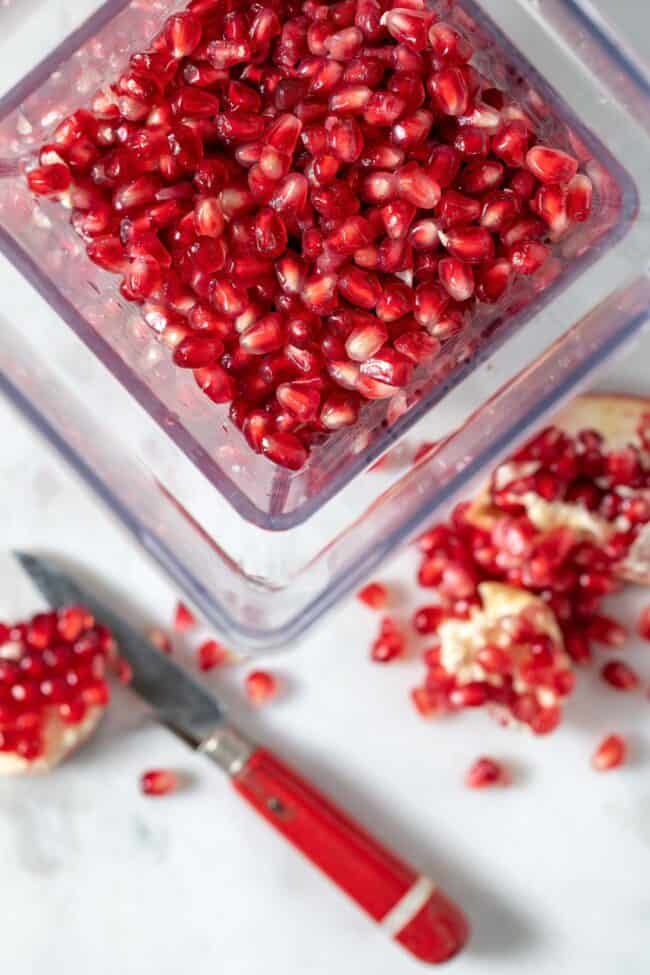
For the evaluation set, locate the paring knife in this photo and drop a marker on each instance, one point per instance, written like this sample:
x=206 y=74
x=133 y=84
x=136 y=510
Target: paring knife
x=408 y=906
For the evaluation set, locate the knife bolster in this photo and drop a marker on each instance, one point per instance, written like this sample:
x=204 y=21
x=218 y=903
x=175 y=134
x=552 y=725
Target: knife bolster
x=228 y=748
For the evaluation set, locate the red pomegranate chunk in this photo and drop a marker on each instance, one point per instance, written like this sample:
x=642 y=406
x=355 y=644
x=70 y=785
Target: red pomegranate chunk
x=611 y=753
x=486 y=772
x=264 y=183
x=261 y=686
x=211 y=654
x=52 y=685
x=374 y=595
x=644 y=624
x=158 y=782
x=620 y=675
x=184 y=618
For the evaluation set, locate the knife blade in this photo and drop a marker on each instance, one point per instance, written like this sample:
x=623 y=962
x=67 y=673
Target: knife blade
x=409 y=906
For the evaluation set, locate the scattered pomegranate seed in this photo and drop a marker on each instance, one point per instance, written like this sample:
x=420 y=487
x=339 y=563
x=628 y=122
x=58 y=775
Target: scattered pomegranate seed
x=644 y=624
x=211 y=654
x=260 y=686
x=620 y=675
x=374 y=595
x=390 y=642
x=250 y=176
x=184 y=619
x=486 y=772
x=123 y=670
x=158 y=782
x=611 y=753
x=160 y=639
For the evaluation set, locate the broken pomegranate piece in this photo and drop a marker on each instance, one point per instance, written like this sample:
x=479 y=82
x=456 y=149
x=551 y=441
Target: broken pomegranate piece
x=506 y=653
x=53 y=689
x=309 y=203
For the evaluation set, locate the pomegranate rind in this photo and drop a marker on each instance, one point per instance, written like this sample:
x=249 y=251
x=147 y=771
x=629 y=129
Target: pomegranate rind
x=59 y=741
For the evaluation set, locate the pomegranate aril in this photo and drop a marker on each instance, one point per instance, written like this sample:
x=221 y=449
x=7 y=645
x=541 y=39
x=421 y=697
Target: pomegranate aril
x=456 y=209
x=427 y=619
x=211 y=654
x=408 y=26
x=184 y=619
x=284 y=449
x=183 y=34
x=260 y=686
x=620 y=676
x=374 y=595
x=511 y=143
x=158 y=782
x=411 y=131
x=611 y=753
x=644 y=624
x=383 y=109
x=49 y=180
x=474 y=245
x=486 y=772
x=301 y=398
x=417 y=187
x=579 y=198
x=605 y=630
x=551 y=165
x=527 y=257
x=493 y=280
x=365 y=340
x=450 y=90
x=456 y=278
x=345 y=44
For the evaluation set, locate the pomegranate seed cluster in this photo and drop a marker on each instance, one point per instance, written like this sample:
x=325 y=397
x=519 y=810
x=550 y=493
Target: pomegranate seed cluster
x=308 y=201
x=52 y=675
x=520 y=575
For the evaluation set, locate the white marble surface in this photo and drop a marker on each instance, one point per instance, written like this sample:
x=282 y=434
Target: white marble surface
x=96 y=878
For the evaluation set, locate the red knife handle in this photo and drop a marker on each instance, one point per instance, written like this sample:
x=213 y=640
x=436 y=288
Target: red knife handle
x=408 y=906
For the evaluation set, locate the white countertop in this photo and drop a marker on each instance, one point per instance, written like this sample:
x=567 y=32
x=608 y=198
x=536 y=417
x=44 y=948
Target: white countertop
x=96 y=878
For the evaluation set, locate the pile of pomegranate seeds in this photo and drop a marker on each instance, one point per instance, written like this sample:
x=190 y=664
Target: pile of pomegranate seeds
x=309 y=200
x=52 y=682
x=260 y=686
x=158 y=782
x=486 y=772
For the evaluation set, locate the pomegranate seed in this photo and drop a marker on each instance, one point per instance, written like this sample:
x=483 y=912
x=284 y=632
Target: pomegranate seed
x=397 y=217
x=390 y=643
x=448 y=44
x=472 y=695
x=511 y=145
x=471 y=244
x=284 y=449
x=484 y=773
x=416 y=186
x=300 y=398
x=211 y=654
x=527 y=257
x=261 y=686
x=183 y=34
x=374 y=595
x=611 y=753
x=427 y=619
x=602 y=629
x=383 y=109
x=579 y=198
x=644 y=624
x=49 y=180
x=184 y=619
x=457 y=209
x=449 y=88
x=408 y=27
x=620 y=676
x=456 y=278
x=551 y=165
x=158 y=782
x=345 y=44
x=159 y=639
